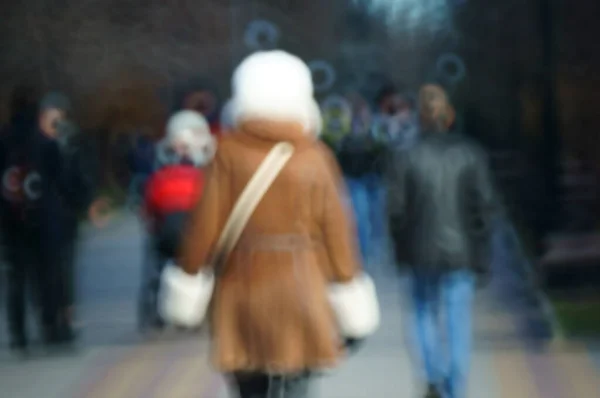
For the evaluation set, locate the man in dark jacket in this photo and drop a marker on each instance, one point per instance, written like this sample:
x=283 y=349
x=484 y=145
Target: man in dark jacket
x=441 y=210
x=15 y=201
x=77 y=185
x=29 y=165
x=43 y=188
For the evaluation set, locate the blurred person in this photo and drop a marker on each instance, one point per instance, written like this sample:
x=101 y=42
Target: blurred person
x=79 y=181
x=69 y=200
x=395 y=122
x=172 y=191
x=358 y=153
x=336 y=114
x=441 y=206
x=394 y=126
x=272 y=324
x=40 y=193
x=205 y=102
x=141 y=164
x=361 y=111
x=13 y=155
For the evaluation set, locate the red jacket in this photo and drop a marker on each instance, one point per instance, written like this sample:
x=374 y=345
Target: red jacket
x=173 y=189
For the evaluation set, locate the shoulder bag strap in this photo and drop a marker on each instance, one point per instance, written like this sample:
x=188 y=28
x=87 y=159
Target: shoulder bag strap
x=254 y=191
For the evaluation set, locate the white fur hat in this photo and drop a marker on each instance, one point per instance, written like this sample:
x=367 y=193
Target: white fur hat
x=316 y=126
x=273 y=85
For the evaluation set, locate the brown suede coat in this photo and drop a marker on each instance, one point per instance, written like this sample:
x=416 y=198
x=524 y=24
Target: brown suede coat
x=270 y=309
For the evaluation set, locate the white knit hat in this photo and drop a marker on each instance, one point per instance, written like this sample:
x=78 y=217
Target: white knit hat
x=190 y=128
x=183 y=122
x=273 y=85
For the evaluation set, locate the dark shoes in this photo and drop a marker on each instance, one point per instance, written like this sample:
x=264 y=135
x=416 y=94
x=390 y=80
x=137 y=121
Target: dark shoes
x=19 y=346
x=353 y=345
x=433 y=392
x=54 y=337
x=151 y=325
x=444 y=390
x=57 y=336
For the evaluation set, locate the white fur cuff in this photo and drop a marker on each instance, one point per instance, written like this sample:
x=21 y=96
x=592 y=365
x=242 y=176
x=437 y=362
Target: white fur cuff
x=184 y=299
x=356 y=307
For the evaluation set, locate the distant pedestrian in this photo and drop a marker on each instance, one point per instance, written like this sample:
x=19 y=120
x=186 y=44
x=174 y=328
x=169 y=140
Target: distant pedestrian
x=442 y=209
x=171 y=193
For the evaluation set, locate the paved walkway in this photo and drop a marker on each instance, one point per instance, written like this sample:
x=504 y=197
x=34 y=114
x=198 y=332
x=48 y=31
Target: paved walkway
x=114 y=362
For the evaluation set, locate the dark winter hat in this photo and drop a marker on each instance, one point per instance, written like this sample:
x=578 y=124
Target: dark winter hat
x=56 y=100
x=385 y=92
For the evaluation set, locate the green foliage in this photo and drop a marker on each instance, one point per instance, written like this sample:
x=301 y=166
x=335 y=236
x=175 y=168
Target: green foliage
x=580 y=317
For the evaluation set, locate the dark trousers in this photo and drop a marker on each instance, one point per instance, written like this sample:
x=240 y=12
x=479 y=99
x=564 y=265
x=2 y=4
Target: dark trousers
x=152 y=266
x=67 y=268
x=33 y=263
x=64 y=288
x=261 y=385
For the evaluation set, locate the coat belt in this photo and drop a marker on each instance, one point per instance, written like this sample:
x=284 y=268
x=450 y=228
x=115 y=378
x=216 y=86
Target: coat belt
x=288 y=242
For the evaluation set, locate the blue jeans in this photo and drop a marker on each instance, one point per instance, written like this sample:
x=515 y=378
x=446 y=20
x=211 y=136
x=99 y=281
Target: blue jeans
x=377 y=216
x=137 y=189
x=366 y=196
x=442 y=312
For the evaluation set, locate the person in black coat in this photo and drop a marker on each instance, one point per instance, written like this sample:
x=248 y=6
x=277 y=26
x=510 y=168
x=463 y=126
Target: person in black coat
x=357 y=152
x=28 y=163
x=44 y=187
x=441 y=209
x=79 y=181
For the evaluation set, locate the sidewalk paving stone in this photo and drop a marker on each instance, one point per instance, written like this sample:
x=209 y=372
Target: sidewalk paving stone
x=115 y=362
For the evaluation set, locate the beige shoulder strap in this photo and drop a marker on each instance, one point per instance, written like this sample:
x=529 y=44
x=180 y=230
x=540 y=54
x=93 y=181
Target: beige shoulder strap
x=254 y=191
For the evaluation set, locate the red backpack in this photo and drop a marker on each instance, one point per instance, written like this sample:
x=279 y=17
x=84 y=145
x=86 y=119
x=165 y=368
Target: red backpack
x=173 y=188
x=171 y=193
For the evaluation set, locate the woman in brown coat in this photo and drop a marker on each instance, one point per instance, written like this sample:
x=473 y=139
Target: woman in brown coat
x=272 y=315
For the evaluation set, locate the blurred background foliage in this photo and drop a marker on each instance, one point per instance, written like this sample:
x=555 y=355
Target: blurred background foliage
x=530 y=92
x=124 y=60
